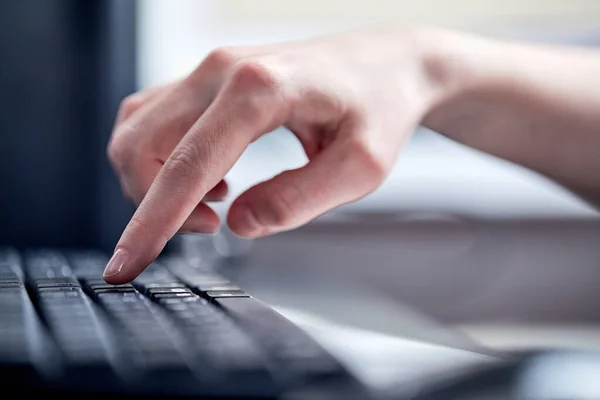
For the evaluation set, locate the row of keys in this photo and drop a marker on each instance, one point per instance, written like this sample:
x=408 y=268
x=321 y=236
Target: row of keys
x=175 y=328
x=116 y=336
x=207 y=284
x=295 y=355
x=87 y=357
x=213 y=347
x=24 y=344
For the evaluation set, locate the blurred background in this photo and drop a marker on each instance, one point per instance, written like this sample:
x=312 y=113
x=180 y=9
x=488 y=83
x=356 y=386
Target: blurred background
x=447 y=234
x=432 y=173
x=65 y=67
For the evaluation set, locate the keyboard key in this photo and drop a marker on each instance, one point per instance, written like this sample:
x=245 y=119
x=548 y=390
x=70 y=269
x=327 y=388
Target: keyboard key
x=216 y=287
x=101 y=284
x=105 y=286
x=161 y=289
x=86 y=263
x=116 y=297
x=145 y=286
x=117 y=290
x=54 y=285
x=6 y=284
x=198 y=280
x=219 y=294
x=158 y=296
x=155 y=273
x=48 y=290
x=176 y=303
x=47 y=264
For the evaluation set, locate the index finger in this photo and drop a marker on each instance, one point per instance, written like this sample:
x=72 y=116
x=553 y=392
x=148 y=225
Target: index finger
x=244 y=109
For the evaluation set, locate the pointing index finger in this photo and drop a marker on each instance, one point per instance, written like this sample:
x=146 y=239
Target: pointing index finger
x=201 y=159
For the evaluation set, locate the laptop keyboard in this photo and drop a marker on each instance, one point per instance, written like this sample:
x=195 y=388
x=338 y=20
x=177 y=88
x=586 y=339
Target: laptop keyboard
x=175 y=330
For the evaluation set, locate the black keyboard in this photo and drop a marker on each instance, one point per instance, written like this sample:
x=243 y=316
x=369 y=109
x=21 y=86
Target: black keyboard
x=177 y=330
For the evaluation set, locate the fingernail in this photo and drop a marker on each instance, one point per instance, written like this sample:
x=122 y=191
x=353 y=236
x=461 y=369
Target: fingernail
x=116 y=263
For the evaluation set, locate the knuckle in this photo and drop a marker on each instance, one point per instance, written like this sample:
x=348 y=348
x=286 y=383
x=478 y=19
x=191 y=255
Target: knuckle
x=220 y=57
x=118 y=153
x=124 y=150
x=215 y=62
x=370 y=161
x=130 y=104
x=183 y=160
x=255 y=74
x=256 y=88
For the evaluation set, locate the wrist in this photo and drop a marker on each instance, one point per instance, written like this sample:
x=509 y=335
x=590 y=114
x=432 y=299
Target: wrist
x=454 y=63
x=467 y=71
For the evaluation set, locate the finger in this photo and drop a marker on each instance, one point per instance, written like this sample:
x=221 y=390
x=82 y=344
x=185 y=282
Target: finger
x=248 y=106
x=156 y=127
x=174 y=108
x=203 y=219
x=142 y=141
x=135 y=101
x=153 y=122
x=184 y=102
x=218 y=193
x=128 y=136
x=139 y=178
x=334 y=177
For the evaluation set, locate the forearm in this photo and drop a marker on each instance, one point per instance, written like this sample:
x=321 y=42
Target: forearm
x=537 y=106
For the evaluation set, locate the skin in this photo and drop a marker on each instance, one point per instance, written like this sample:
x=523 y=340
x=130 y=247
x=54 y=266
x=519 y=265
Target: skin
x=352 y=100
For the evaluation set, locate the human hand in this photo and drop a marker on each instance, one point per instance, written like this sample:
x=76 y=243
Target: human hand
x=352 y=100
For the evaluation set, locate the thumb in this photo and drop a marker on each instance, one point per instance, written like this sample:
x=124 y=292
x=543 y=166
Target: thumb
x=341 y=173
